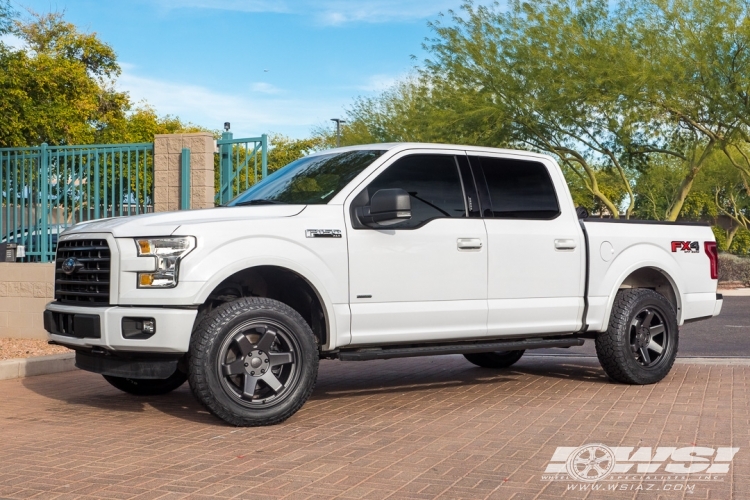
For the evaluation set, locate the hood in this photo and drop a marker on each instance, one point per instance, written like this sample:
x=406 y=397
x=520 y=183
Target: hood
x=166 y=223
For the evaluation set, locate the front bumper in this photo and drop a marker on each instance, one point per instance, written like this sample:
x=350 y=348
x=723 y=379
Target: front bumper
x=173 y=328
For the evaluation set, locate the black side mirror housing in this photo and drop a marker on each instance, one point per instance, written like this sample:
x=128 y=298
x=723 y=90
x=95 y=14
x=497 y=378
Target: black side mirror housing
x=387 y=207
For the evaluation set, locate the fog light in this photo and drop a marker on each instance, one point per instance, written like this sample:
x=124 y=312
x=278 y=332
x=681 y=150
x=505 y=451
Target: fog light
x=138 y=328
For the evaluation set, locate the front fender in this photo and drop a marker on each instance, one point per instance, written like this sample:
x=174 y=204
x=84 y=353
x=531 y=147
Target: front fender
x=325 y=269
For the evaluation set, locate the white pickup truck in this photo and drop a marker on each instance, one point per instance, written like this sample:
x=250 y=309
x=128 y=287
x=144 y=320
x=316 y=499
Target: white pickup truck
x=372 y=252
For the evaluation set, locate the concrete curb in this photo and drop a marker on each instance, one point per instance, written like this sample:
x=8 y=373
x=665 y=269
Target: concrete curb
x=735 y=292
x=41 y=365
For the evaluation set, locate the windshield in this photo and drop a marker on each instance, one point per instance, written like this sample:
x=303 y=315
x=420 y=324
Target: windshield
x=312 y=180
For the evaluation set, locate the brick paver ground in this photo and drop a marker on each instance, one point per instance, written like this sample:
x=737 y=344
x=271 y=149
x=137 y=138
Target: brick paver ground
x=413 y=428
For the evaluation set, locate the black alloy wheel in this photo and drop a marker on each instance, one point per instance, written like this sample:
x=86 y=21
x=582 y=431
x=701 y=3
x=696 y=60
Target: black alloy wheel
x=649 y=337
x=257 y=363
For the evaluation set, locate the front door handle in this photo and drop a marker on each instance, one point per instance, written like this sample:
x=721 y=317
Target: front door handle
x=565 y=244
x=469 y=244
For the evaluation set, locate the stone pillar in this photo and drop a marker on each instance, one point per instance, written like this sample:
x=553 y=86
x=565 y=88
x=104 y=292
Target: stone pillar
x=167 y=161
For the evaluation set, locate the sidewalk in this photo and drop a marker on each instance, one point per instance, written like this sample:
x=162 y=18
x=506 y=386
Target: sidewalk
x=411 y=428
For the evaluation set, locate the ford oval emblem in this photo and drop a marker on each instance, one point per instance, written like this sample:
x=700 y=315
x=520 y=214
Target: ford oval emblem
x=70 y=265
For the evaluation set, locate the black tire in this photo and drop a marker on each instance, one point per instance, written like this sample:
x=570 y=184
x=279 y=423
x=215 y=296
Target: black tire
x=640 y=345
x=502 y=359
x=253 y=361
x=147 y=387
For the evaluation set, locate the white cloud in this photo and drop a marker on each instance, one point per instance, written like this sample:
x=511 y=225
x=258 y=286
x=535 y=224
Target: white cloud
x=251 y=113
x=13 y=41
x=265 y=88
x=379 y=83
x=327 y=12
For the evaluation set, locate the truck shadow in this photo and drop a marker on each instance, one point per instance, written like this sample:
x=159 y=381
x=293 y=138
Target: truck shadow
x=338 y=379
x=79 y=389
x=84 y=393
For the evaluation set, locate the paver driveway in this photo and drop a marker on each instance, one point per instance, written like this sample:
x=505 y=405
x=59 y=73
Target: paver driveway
x=412 y=428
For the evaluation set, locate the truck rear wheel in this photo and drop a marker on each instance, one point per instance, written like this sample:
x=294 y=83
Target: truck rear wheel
x=147 y=387
x=502 y=359
x=640 y=345
x=253 y=361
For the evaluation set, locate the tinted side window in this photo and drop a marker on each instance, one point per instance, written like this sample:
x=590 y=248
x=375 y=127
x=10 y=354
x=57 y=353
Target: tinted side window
x=433 y=183
x=519 y=189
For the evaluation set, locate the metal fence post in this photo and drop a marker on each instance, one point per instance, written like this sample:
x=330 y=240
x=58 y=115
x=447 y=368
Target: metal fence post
x=264 y=156
x=44 y=202
x=96 y=185
x=226 y=169
x=185 y=179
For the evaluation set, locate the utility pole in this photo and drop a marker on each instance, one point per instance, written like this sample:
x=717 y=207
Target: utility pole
x=338 y=121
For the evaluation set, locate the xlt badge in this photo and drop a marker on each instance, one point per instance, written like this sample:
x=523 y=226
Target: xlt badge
x=323 y=233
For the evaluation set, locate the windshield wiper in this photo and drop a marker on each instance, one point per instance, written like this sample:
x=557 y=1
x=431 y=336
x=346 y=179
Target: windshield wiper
x=259 y=202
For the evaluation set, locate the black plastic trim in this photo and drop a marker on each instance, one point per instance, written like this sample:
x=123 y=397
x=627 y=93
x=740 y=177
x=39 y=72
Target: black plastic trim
x=81 y=326
x=469 y=182
x=366 y=354
x=640 y=221
x=137 y=368
x=719 y=296
x=694 y=320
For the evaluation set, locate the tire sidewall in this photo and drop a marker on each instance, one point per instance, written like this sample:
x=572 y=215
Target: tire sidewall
x=651 y=374
x=216 y=327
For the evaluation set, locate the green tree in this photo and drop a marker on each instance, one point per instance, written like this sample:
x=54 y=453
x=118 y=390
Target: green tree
x=6 y=16
x=59 y=88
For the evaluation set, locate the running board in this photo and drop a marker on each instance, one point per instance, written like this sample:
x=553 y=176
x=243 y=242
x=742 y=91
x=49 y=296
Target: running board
x=366 y=354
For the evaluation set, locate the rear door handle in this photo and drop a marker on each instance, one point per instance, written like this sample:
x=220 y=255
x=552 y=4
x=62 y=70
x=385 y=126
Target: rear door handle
x=469 y=244
x=565 y=244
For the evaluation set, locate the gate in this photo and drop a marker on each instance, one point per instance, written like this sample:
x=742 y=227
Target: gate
x=45 y=189
x=237 y=158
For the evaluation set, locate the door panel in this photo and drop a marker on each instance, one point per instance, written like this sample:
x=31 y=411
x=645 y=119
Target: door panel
x=536 y=257
x=425 y=279
x=421 y=285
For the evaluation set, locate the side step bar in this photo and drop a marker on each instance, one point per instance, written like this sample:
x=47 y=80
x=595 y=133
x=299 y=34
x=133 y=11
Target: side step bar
x=366 y=354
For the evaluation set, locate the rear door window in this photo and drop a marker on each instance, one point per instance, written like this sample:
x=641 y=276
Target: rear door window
x=518 y=189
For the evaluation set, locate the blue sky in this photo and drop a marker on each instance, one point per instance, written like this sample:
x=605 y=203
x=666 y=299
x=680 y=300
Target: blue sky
x=280 y=66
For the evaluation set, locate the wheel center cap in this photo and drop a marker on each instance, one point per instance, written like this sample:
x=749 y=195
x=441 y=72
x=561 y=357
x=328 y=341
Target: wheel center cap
x=257 y=363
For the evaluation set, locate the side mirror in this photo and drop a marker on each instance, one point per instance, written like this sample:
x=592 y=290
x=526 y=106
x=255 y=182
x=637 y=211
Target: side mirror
x=387 y=207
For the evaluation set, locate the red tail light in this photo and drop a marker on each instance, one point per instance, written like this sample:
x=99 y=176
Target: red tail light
x=713 y=257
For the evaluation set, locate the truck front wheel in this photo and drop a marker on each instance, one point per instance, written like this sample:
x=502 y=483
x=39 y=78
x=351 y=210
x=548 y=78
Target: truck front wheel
x=253 y=361
x=640 y=345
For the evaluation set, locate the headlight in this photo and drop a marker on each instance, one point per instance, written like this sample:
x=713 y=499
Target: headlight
x=168 y=252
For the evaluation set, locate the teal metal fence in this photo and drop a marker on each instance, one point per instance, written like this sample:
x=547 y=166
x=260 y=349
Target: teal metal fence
x=238 y=163
x=45 y=189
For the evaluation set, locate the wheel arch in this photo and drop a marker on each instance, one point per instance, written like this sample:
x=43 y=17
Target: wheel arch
x=283 y=281
x=651 y=276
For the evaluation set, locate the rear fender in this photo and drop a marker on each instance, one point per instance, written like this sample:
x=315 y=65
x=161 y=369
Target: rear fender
x=640 y=256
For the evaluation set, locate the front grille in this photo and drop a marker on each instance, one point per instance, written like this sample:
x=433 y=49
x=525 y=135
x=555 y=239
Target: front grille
x=88 y=285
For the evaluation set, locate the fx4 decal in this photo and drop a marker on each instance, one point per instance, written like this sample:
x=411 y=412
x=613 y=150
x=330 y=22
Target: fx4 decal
x=686 y=246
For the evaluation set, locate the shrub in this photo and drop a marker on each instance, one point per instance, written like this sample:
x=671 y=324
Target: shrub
x=734 y=268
